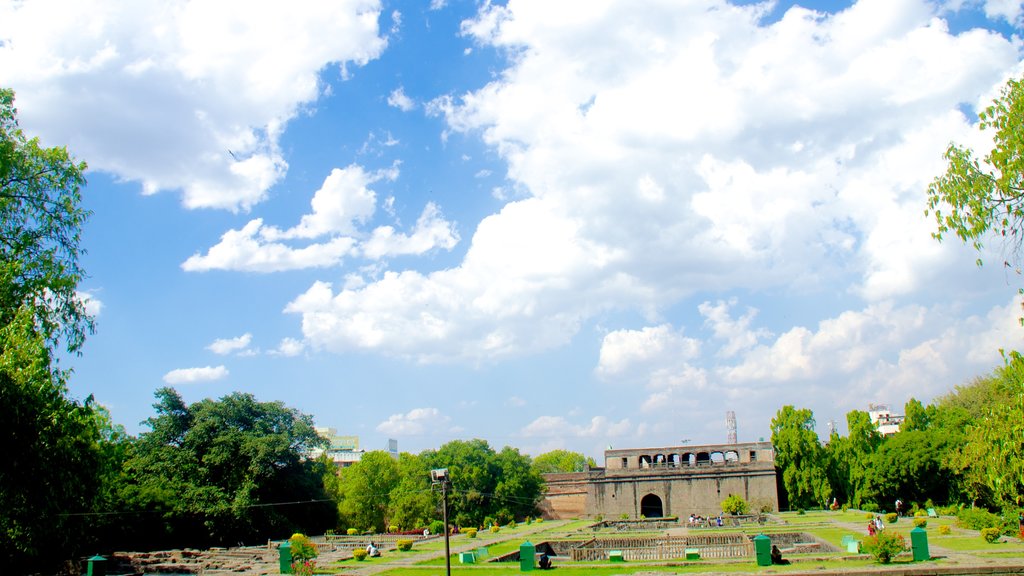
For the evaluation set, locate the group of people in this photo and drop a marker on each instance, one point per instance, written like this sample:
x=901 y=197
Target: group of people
x=875 y=525
x=696 y=520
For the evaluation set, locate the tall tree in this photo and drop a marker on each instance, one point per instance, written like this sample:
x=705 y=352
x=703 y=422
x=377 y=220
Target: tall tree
x=224 y=471
x=53 y=466
x=367 y=487
x=800 y=458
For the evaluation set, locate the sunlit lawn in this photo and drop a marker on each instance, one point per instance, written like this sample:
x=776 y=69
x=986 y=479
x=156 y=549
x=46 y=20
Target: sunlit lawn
x=604 y=569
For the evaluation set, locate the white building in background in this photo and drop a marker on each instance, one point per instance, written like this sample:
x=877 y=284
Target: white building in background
x=884 y=420
x=344 y=451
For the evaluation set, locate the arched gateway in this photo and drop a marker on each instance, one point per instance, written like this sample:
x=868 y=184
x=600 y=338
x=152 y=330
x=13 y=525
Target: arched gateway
x=650 y=506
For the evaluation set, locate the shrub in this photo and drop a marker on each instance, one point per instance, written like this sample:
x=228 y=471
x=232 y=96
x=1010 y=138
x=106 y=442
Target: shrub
x=351 y=531
x=539 y=520
x=920 y=514
x=624 y=516
x=977 y=519
x=302 y=547
x=869 y=507
x=800 y=512
x=392 y=529
x=303 y=568
x=529 y=520
x=359 y=554
x=920 y=522
x=436 y=527
x=891 y=518
x=489 y=521
x=404 y=545
x=470 y=532
x=495 y=528
x=945 y=530
x=884 y=546
x=951 y=510
x=990 y=534
x=599 y=518
x=869 y=516
x=511 y=524
x=734 y=504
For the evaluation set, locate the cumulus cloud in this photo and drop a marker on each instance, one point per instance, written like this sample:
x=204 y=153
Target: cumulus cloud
x=685 y=149
x=415 y=422
x=225 y=346
x=598 y=427
x=332 y=231
x=179 y=95
x=399 y=100
x=290 y=347
x=193 y=375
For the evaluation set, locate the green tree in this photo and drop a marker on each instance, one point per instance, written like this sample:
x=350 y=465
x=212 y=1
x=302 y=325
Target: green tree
x=992 y=458
x=561 y=461
x=223 y=471
x=55 y=465
x=41 y=221
x=974 y=199
x=412 y=503
x=916 y=416
x=367 y=488
x=520 y=486
x=800 y=458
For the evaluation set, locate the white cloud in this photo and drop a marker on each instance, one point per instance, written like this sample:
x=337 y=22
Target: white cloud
x=432 y=231
x=399 y=100
x=598 y=427
x=180 y=94
x=415 y=422
x=245 y=250
x=224 y=346
x=329 y=233
x=193 y=375
x=290 y=347
x=93 y=305
x=515 y=402
x=682 y=149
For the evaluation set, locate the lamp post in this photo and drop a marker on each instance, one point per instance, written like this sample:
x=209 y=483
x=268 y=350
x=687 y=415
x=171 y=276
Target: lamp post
x=440 y=476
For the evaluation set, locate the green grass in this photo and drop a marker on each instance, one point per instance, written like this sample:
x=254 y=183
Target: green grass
x=603 y=569
x=974 y=543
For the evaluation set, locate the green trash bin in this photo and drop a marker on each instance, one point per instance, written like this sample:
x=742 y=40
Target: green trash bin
x=919 y=544
x=763 y=550
x=96 y=566
x=527 y=553
x=284 y=553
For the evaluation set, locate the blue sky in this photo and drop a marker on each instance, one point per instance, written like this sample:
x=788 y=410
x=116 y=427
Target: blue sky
x=548 y=225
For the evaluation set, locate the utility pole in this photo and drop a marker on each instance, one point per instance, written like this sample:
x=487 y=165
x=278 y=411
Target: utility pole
x=440 y=476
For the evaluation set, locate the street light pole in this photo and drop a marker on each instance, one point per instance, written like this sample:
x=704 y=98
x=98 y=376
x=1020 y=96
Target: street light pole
x=440 y=476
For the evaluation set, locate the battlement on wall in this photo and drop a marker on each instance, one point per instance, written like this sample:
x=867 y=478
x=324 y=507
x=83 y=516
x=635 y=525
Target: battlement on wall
x=681 y=458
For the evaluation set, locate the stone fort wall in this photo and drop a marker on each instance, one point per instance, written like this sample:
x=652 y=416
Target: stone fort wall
x=668 y=481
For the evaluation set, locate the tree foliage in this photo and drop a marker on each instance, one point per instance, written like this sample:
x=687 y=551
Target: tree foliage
x=224 y=471
x=800 y=458
x=56 y=460
x=561 y=461
x=41 y=222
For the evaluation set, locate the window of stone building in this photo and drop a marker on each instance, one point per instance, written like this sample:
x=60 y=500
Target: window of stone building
x=753 y=456
x=625 y=462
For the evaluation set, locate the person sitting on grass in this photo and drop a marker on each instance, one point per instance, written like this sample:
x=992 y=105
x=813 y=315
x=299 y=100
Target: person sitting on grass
x=777 y=556
x=545 y=562
x=372 y=550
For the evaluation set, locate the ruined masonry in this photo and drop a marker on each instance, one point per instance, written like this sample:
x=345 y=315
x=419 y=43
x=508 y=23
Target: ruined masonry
x=671 y=481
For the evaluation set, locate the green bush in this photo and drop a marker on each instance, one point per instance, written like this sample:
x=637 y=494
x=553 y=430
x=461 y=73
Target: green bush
x=436 y=527
x=511 y=524
x=891 y=518
x=599 y=518
x=404 y=545
x=951 y=510
x=489 y=521
x=734 y=504
x=869 y=516
x=990 y=534
x=392 y=529
x=351 y=531
x=978 y=519
x=359 y=554
x=470 y=532
x=884 y=546
x=529 y=520
x=495 y=528
x=800 y=512
x=920 y=522
x=920 y=514
x=945 y=530
x=869 y=507
x=302 y=547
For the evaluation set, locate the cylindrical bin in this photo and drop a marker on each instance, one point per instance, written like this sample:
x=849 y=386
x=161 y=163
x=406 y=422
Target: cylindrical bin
x=763 y=550
x=285 y=557
x=527 y=554
x=919 y=544
x=96 y=566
